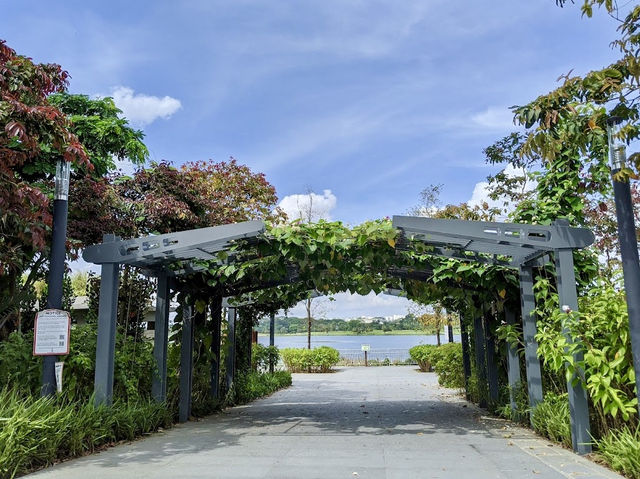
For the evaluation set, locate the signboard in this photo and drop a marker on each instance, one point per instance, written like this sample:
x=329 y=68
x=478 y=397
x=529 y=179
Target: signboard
x=366 y=347
x=51 y=333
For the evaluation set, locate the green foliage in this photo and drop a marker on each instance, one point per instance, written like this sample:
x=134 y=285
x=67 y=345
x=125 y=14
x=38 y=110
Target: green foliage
x=36 y=432
x=551 y=418
x=521 y=397
x=262 y=356
x=103 y=132
x=421 y=354
x=601 y=330
x=324 y=358
x=621 y=451
x=253 y=385
x=320 y=359
x=18 y=367
x=446 y=361
x=134 y=365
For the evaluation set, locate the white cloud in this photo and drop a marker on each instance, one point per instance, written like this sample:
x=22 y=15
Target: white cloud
x=494 y=118
x=310 y=206
x=143 y=109
x=481 y=191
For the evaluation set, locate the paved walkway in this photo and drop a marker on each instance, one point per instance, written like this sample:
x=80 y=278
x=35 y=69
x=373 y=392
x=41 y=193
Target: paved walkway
x=378 y=422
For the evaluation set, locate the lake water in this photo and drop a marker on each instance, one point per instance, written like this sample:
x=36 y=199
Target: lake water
x=395 y=347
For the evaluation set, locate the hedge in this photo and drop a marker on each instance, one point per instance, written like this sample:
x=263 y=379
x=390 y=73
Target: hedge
x=298 y=360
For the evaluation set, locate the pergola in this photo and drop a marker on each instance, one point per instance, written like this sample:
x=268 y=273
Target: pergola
x=510 y=245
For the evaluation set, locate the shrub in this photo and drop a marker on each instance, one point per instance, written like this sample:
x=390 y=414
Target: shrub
x=296 y=360
x=253 y=385
x=262 y=356
x=447 y=363
x=621 y=451
x=445 y=360
x=36 y=432
x=421 y=354
x=601 y=330
x=551 y=418
x=321 y=359
x=324 y=358
x=133 y=366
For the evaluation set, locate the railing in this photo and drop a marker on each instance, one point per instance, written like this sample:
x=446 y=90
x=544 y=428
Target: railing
x=375 y=357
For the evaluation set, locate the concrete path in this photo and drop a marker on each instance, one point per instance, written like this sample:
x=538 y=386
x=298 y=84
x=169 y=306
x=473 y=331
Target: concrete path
x=378 y=422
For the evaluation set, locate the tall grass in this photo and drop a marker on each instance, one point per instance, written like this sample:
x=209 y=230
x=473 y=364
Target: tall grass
x=621 y=450
x=551 y=418
x=35 y=432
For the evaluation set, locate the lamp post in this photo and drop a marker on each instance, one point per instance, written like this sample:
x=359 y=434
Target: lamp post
x=627 y=239
x=56 y=264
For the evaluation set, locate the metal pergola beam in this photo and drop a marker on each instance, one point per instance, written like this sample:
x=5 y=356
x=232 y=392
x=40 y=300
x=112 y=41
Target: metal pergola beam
x=507 y=239
x=151 y=251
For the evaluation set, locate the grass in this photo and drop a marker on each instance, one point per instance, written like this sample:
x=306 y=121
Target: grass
x=37 y=432
x=620 y=449
x=551 y=418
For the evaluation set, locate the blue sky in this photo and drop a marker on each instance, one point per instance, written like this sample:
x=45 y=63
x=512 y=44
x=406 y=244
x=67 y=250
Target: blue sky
x=372 y=100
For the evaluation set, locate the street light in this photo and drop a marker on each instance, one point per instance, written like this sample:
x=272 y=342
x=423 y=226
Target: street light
x=627 y=239
x=56 y=263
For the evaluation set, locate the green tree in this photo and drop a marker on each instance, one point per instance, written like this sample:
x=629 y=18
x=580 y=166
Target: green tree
x=41 y=123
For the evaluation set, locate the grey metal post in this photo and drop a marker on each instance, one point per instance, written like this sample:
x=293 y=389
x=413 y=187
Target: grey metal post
x=186 y=363
x=513 y=365
x=479 y=343
x=532 y=363
x=56 y=265
x=492 y=367
x=161 y=338
x=231 y=353
x=578 y=403
x=56 y=279
x=107 y=323
x=630 y=269
x=627 y=240
x=466 y=358
x=216 y=319
x=249 y=331
x=450 y=331
x=272 y=339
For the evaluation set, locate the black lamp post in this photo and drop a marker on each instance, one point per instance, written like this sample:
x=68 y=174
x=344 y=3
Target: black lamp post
x=56 y=264
x=628 y=241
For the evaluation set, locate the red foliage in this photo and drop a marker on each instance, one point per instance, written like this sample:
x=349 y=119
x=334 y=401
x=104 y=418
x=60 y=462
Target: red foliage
x=164 y=198
x=27 y=125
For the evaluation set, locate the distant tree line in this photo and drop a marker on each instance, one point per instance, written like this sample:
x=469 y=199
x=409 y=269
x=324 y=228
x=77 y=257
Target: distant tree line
x=293 y=325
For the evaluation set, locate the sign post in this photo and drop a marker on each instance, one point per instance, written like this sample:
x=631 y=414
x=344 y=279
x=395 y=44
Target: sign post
x=366 y=348
x=51 y=337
